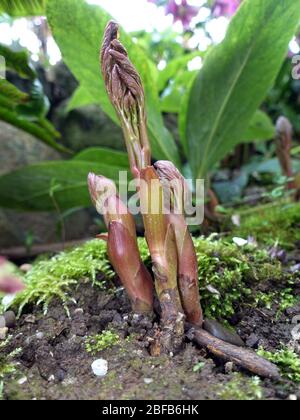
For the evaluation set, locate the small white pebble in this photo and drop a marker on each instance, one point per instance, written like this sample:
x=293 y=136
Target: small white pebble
x=25 y=268
x=148 y=381
x=293 y=398
x=3 y=333
x=236 y=220
x=22 y=380
x=229 y=367
x=8 y=300
x=240 y=241
x=51 y=378
x=78 y=311
x=100 y=367
x=171 y=354
x=213 y=290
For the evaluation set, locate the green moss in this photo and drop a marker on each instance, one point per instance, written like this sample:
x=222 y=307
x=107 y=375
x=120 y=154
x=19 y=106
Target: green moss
x=7 y=367
x=56 y=276
x=227 y=274
x=284 y=299
x=198 y=367
x=287 y=360
x=97 y=343
x=241 y=388
x=277 y=223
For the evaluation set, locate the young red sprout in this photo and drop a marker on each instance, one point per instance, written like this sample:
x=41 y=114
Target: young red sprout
x=172 y=179
x=9 y=282
x=284 y=140
x=122 y=243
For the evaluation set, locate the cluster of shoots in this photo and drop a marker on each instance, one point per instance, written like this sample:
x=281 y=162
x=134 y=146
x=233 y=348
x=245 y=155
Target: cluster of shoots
x=162 y=191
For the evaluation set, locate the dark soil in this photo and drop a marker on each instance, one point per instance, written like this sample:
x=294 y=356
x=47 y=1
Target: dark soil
x=56 y=365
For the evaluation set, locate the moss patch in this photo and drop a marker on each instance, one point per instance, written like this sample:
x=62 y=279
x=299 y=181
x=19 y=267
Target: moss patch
x=241 y=388
x=270 y=224
x=97 y=343
x=7 y=367
x=227 y=275
x=287 y=360
x=56 y=276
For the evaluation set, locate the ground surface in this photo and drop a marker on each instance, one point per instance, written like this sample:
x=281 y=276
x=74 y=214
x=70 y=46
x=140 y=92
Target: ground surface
x=56 y=365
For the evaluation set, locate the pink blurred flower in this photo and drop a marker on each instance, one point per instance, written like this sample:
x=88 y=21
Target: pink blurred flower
x=182 y=12
x=225 y=7
x=9 y=282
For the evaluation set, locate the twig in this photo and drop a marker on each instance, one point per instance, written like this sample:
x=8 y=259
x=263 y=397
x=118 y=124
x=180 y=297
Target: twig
x=18 y=253
x=242 y=357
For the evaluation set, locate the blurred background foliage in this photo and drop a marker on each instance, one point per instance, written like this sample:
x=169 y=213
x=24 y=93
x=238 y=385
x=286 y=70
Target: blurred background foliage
x=217 y=75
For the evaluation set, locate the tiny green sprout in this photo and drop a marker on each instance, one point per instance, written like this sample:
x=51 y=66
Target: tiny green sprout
x=287 y=360
x=240 y=388
x=198 y=367
x=7 y=366
x=96 y=343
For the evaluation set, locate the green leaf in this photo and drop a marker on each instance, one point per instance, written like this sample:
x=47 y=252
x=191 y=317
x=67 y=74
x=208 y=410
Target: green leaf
x=36 y=129
x=108 y=156
x=235 y=79
x=17 y=8
x=179 y=64
x=12 y=93
x=32 y=188
x=261 y=128
x=171 y=100
x=38 y=105
x=80 y=98
x=78 y=29
x=28 y=113
x=17 y=61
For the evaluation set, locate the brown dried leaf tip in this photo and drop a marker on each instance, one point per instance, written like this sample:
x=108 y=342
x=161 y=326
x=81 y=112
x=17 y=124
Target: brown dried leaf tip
x=123 y=83
x=125 y=90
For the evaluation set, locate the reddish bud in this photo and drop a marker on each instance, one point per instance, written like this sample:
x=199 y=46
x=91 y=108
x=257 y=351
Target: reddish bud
x=9 y=281
x=124 y=256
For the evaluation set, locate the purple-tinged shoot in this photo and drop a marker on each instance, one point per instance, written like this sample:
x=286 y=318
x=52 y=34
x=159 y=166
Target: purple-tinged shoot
x=122 y=244
x=10 y=283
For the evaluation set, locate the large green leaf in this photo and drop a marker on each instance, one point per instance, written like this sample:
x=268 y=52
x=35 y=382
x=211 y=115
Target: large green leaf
x=38 y=187
x=260 y=128
x=235 y=79
x=17 y=8
x=17 y=61
x=175 y=66
x=80 y=98
x=78 y=29
x=27 y=112
x=108 y=156
x=171 y=100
